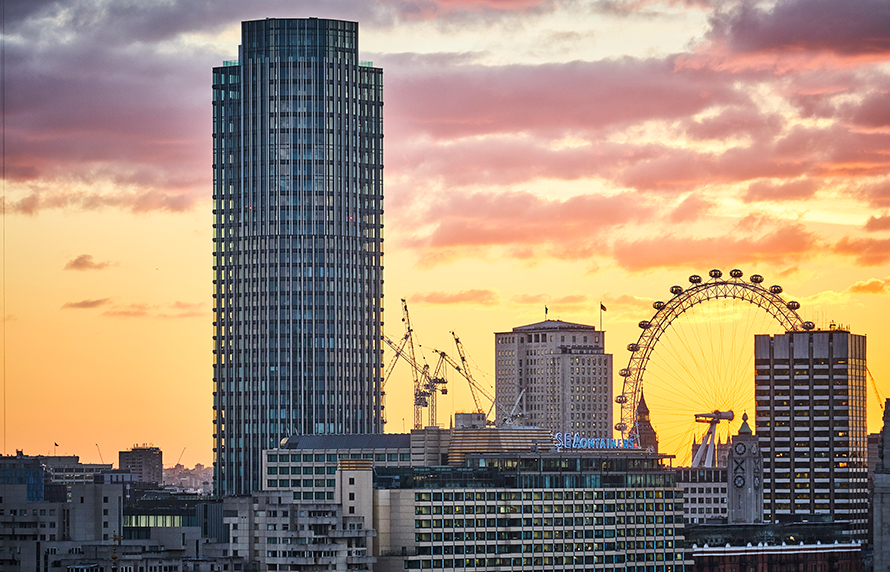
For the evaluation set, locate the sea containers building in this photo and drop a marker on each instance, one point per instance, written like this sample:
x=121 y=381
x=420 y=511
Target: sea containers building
x=540 y=508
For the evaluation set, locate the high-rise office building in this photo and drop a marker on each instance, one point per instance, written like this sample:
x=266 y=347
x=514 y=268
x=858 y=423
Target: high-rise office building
x=810 y=396
x=145 y=461
x=298 y=191
x=555 y=375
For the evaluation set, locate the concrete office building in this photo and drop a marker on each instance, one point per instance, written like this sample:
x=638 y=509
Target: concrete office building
x=810 y=397
x=298 y=197
x=558 y=377
x=704 y=494
x=146 y=461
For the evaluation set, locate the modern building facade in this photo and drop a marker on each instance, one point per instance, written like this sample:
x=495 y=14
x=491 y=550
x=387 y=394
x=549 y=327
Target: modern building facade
x=297 y=163
x=555 y=375
x=512 y=503
x=810 y=397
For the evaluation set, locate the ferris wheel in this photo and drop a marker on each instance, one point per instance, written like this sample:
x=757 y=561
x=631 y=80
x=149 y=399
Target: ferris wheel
x=705 y=336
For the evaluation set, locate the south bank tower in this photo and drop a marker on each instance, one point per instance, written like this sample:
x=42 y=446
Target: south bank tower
x=297 y=242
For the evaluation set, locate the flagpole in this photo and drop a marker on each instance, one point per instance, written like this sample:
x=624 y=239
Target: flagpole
x=601 y=316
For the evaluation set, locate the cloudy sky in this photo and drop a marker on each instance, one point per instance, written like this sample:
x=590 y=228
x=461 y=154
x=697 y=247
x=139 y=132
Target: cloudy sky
x=538 y=152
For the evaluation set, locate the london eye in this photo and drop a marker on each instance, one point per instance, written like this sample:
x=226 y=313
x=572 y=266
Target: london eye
x=696 y=354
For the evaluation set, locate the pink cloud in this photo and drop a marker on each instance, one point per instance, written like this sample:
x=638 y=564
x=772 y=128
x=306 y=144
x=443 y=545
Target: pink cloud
x=86 y=304
x=866 y=251
x=879 y=223
x=691 y=209
x=875 y=194
x=86 y=262
x=136 y=310
x=870 y=286
x=874 y=111
x=467 y=100
x=736 y=122
x=785 y=243
x=474 y=223
x=474 y=296
x=775 y=192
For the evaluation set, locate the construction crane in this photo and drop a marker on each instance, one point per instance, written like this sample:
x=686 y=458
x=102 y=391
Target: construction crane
x=431 y=382
x=874 y=385
x=404 y=349
x=100 y=453
x=462 y=368
x=475 y=388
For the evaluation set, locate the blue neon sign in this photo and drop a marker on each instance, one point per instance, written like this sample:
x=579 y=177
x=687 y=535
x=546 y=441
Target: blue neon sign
x=576 y=441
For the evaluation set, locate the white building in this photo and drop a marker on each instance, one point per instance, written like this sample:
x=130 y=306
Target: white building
x=555 y=375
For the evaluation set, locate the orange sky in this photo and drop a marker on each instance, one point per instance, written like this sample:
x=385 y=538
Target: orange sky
x=537 y=152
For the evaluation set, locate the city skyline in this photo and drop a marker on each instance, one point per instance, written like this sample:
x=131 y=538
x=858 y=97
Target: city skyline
x=537 y=154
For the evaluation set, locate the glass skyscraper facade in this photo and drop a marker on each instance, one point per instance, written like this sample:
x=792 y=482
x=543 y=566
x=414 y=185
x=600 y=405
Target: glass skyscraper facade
x=298 y=219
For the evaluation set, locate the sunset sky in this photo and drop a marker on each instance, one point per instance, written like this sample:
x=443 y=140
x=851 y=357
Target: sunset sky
x=537 y=152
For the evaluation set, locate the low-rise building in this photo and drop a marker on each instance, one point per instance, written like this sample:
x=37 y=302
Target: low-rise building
x=493 y=499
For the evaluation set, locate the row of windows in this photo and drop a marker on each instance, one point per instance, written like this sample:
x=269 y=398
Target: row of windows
x=331 y=458
x=543 y=508
x=544 y=495
x=620 y=531
x=550 y=561
x=490 y=548
x=296 y=483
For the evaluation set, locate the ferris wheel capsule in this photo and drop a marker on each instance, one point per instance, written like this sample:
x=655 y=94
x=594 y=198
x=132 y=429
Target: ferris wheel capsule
x=621 y=427
x=695 y=279
x=735 y=273
x=633 y=347
x=809 y=326
x=756 y=278
x=621 y=399
x=624 y=372
x=715 y=273
x=675 y=290
x=793 y=305
x=644 y=324
x=775 y=289
x=658 y=305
